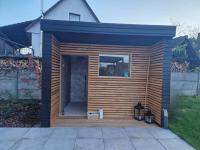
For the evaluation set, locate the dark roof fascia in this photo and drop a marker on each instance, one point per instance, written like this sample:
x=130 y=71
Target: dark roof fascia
x=56 y=4
x=108 y=28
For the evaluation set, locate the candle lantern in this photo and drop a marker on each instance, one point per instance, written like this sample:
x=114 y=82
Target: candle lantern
x=139 y=112
x=149 y=117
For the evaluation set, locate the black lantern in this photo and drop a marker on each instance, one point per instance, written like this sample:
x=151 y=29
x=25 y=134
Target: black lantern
x=149 y=117
x=139 y=112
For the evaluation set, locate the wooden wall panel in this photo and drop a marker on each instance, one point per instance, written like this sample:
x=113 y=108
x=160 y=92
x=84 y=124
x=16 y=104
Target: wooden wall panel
x=155 y=81
x=55 y=80
x=116 y=95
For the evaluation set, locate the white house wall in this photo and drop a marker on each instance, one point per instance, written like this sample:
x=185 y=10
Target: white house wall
x=60 y=12
x=36 y=44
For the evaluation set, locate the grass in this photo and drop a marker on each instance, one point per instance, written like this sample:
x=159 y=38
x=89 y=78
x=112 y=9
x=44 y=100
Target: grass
x=185 y=119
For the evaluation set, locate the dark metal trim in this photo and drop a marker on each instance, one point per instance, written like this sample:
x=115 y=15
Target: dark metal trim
x=46 y=80
x=167 y=55
x=108 y=28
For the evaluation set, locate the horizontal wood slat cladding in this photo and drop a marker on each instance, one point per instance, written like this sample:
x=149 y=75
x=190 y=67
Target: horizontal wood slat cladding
x=116 y=95
x=155 y=81
x=55 y=80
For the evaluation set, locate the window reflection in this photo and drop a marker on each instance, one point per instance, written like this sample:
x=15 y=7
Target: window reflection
x=114 y=65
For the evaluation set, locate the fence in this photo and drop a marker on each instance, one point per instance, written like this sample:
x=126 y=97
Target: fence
x=185 y=84
x=20 y=78
x=23 y=84
x=19 y=84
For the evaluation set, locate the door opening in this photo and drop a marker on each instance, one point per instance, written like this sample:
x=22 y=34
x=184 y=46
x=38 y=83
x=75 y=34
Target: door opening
x=74 y=86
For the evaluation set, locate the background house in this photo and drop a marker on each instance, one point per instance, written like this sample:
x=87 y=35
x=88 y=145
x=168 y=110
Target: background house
x=16 y=40
x=185 y=58
x=6 y=48
x=66 y=10
x=13 y=38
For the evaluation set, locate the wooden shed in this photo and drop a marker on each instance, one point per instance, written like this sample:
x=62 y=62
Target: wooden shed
x=92 y=66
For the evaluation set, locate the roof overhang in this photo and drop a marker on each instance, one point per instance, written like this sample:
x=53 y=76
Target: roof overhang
x=107 y=33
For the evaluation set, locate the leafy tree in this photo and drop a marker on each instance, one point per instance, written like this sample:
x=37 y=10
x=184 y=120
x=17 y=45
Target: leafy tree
x=180 y=51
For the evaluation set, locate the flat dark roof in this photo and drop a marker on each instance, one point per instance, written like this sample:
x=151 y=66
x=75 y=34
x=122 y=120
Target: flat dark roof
x=108 y=28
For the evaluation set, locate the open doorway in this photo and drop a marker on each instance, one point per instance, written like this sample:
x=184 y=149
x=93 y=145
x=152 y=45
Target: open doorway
x=74 y=86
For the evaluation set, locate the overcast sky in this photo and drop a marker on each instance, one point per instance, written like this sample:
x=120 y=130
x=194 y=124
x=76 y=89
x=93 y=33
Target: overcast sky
x=164 y=12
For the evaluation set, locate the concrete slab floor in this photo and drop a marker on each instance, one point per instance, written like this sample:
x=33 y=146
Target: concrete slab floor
x=90 y=139
x=74 y=109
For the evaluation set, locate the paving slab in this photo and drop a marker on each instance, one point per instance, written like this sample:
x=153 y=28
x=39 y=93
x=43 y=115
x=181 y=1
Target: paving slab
x=28 y=144
x=138 y=133
x=175 y=144
x=89 y=133
x=12 y=133
x=90 y=139
x=59 y=144
x=38 y=133
x=118 y=144
x=114 y=133
x=89 y=144
x=64 y=133
x=147 y=144
x=6 y=145
x=160 y=133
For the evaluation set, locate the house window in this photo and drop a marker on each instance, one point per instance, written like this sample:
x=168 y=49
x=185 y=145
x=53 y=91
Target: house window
x=74 y=17
x=114 y=65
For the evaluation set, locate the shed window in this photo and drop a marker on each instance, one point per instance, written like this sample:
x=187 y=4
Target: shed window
x=74 y=17
x=114 y=65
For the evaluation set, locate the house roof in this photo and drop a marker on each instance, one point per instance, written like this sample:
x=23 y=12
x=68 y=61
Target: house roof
x=17 y=33
x=55 y=5
x=192 y=55
x=107 y=33
x=4 y=38
x=179 y=40
x=2 y=35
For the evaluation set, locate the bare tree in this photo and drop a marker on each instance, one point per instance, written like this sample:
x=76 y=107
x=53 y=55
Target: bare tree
x=184 y=29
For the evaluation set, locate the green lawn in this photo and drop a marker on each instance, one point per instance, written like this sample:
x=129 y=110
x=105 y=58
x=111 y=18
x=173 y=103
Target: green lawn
x=185 y=119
